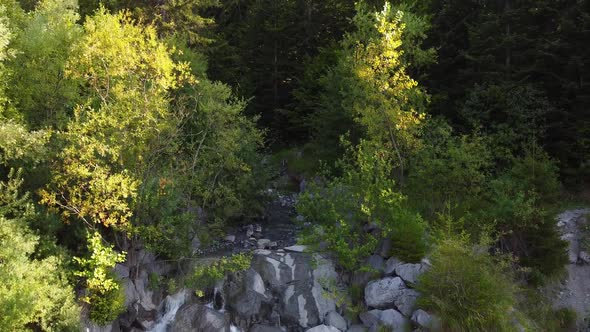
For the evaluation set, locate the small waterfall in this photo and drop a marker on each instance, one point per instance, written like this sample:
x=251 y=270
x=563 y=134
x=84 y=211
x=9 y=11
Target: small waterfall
x=171 y=306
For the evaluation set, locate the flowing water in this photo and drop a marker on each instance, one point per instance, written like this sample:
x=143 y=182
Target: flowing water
x=171 y=306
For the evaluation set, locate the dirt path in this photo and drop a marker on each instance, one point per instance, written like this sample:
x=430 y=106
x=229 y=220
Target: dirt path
x=574 y=292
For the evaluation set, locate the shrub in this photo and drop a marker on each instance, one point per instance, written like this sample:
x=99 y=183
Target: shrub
x=104 y=293
x=205 y=276
x=467 y=288
x=363 y=195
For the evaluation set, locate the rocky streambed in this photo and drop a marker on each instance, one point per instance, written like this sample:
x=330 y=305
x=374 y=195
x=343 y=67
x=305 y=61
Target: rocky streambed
x=285 y=289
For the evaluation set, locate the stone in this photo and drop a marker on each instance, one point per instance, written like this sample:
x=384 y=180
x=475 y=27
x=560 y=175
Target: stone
x=263 y=243
x=382 y=293
x=230 y=238
x=584 y=257
x=323 y=328
x=249 y=231
x=122 y=271
x=258 y=228
x=406 y=301
x=357 y=328
x=302 y=299
x=370 y=227
x=336 y=320
x=393 y=319
x=426 y=320
x=196 y=317
x=409 y=272
x=385 y=248
x=246 y=293
x=376 y=262
x=296 y=248
x=370 y=318
x=390 y=265
x=265 y=328
x=300 y=218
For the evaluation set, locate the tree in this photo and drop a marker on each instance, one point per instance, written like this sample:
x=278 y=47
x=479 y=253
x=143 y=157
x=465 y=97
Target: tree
x=110 y=138
x=368 y=91
x=38 y=87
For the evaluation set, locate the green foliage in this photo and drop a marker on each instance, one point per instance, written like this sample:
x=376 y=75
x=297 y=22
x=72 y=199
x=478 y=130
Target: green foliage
x=467 y=288
x=35 y=292
x=16 y=142
x=513 y=116
x=515 y=209
x=369 y=84
x=363 y=195
x=39 y=88
x=107 y=143
x=566 y=318
x=448 y=169
x=104 y=293
x=206 y=276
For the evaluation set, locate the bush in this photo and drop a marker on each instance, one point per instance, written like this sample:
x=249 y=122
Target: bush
x=515 y=209
x=363 y=195
x=205 y=276
x=467 y=288
x=104 y=293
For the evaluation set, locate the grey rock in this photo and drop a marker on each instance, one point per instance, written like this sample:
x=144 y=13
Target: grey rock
x=265 y=328
x=584 y=257
x=122 y=271
x=302 y=299
x=246 y=293
x=230 y=238
x=409 y=272
x=357 y=328
x=376 y=262
x=391 y=264
x=249 y=231
x=393 y=319
x=263 y=243
x=195 y=317
x=336 y=320
x=426 y=320
x=385 y=248
x=370 y=318
x=323 y=328
x=296 y=248
x=406 y=301
x=383 y=293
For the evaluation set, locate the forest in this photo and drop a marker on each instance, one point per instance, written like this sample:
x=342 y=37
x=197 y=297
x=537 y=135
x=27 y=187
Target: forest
x=451 y=137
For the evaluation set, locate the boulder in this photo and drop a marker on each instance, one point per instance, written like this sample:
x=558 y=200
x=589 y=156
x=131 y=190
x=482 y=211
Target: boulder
x=426 y=320
x=370 y=318
x=302 y=299
x=296 y=248
x=265 y=328
x=246 y=293
x=383 y=293
x=584 y=257
x=390 y=265
x=323 y=328
x=409 y=272
x=357 y=328
x=230 y=238
x=376 y=263
x=406 y=301
x=385 y=247
x=196 y=317
x=393 y=319
x=336 y=320
x=263 y=244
